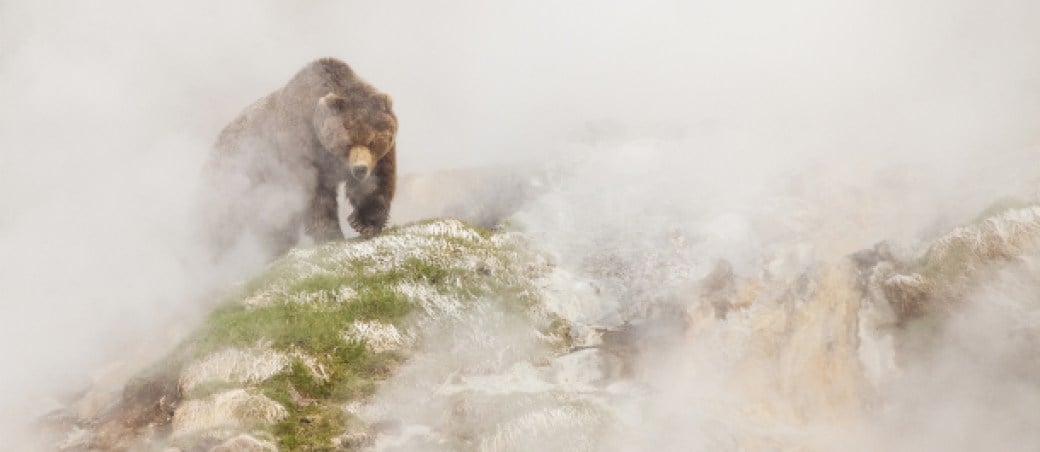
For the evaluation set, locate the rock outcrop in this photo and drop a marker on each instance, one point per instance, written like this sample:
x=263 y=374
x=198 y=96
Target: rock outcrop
x=274 y=365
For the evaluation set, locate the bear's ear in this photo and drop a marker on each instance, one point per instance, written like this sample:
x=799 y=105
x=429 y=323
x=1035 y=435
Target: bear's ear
x=387 y=102
x=333 y=102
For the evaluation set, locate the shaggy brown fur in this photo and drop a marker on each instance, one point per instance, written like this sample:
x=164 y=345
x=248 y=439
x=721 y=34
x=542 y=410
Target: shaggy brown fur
x=277 y=166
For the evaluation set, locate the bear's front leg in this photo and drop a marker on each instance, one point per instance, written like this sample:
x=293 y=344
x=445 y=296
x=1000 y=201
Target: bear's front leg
x=371 y=198
x=322 y=222
x=369 y=217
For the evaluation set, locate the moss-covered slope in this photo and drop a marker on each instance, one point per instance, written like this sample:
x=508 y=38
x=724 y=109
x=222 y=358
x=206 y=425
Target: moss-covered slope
x=281 y=356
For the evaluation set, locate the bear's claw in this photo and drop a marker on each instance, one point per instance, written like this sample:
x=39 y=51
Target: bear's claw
x=366 y=230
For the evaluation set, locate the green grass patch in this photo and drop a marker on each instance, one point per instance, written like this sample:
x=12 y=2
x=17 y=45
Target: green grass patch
x=313 y=328
x=315 y=416
x=310 y=428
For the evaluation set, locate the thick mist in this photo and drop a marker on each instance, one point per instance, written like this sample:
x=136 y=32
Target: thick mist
x=730 y=126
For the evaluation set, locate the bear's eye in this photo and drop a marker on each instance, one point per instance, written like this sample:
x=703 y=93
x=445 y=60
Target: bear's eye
x=378 y=143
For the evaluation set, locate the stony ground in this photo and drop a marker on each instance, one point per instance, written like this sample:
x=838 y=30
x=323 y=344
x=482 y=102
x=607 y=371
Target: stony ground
x=439 y=335
x=276 y=363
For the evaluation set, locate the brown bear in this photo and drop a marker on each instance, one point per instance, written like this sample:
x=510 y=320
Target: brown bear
x=277 y=166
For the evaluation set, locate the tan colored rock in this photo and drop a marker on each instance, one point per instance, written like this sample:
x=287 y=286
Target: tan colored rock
x=909 y=295
x=718 y=288
x=245 y=443
x=234 y=366
x=233 y=408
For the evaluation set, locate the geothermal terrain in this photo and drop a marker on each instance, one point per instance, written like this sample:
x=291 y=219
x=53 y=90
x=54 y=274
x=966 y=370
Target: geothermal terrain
x=441 y=334
x=698 y=225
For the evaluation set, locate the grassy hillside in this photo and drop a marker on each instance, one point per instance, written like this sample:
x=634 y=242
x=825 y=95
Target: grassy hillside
x=282 y=355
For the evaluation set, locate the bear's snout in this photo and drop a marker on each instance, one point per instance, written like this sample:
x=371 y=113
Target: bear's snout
x=360 y=161
x=360 y=172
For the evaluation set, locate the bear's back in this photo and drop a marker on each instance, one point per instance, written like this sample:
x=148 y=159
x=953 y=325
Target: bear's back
x=285 y=114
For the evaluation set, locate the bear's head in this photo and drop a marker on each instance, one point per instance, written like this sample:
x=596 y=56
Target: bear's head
x=359 y=128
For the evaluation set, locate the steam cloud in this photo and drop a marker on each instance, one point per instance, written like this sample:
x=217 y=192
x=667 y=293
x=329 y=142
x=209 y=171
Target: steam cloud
x=740 y=126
